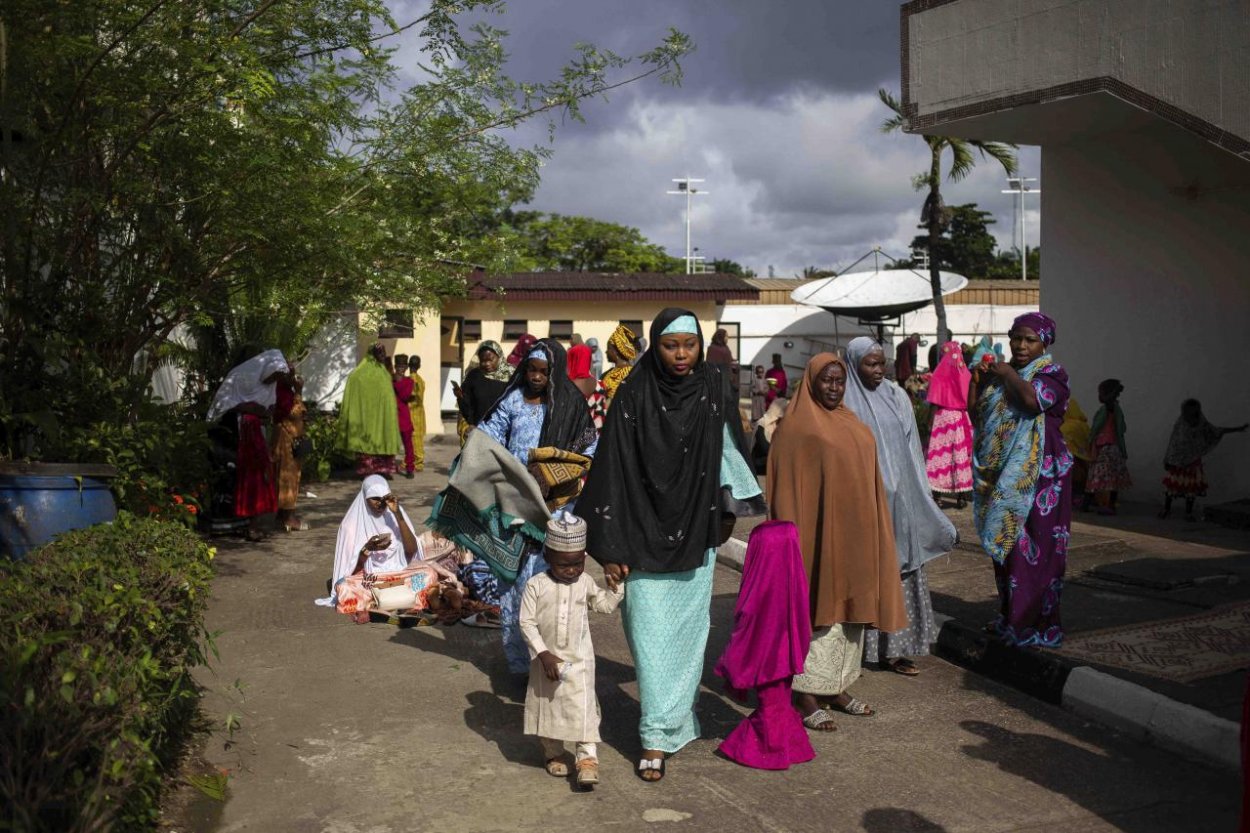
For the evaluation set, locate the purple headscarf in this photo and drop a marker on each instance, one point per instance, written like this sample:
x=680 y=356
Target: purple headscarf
x=1039 y=323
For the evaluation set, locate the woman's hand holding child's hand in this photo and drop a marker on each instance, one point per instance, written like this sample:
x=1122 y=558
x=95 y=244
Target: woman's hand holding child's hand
x=615 y=575
x=551 y=665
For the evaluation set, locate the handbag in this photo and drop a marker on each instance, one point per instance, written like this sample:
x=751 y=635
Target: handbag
x=398 y=596
x=301 y=447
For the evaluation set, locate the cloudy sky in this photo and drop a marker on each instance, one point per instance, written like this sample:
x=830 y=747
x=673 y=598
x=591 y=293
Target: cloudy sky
x=778 y=111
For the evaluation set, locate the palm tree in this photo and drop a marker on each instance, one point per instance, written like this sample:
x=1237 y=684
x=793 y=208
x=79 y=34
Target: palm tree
x=934 y=216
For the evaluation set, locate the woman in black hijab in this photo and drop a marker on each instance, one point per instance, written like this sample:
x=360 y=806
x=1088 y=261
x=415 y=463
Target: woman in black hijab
x=670 y=472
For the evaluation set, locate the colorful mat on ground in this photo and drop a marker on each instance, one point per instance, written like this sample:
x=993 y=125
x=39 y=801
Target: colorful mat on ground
x=1181 y=650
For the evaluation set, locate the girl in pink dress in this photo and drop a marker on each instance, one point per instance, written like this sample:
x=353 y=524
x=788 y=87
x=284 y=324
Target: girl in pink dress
x=949 y=460
x=771 y=635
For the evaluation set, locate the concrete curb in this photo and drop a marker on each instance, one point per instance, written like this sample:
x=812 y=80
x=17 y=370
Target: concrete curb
x=1103 y=698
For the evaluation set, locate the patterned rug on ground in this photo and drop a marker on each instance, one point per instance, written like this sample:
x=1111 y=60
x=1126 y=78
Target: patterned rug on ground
x=1181 y=650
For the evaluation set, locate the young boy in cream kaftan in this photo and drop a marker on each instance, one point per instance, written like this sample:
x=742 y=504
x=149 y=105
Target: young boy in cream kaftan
x=560 y=703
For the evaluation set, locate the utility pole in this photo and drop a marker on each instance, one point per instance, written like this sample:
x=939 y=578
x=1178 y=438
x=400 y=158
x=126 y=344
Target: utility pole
x=1020 y=187
x=685 y=188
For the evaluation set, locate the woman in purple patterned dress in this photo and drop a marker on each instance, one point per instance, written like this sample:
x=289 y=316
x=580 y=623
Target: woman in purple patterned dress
x=1022 y=478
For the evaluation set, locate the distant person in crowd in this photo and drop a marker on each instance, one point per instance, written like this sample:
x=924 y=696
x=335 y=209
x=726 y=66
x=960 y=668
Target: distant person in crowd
x=1022 y=473
x=948 y=461
x=580 y=359
x=289 y=412
x=998 y=350
x=484 y=382
x=905 y=357
x=1108 y=475
x=536 y=445
x=935 y=349
x=622 y=351
x=521 y=349
x=718 y=352
x=242 y=406
x=1193 y=438
x=639 y=348
x=404 y=389
x=778 y=385
x=984 y=347
x=759 y=394
x=368 y=418
x=416 y=408
x=596 y=358
x=764 y=431
x=560 y=703
x=921 y=531
x=772 y=633
x=672 y=449
x=825 y=478
x=1076 y=436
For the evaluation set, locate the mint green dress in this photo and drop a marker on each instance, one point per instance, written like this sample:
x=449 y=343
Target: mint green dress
x=667 y=617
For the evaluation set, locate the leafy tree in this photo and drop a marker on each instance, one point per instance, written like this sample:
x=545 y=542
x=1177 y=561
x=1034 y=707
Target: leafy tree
x=934 y=216
x=583 y=244
x=966 y=245
x=246 y=167
x=814 y=272
x=730 y=267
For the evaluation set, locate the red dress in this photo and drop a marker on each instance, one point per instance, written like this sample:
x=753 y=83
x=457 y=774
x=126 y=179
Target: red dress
x=255 y=492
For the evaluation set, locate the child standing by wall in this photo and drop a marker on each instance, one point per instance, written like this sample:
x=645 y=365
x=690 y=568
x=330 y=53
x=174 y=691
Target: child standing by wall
x=416 y=409
x=560 y=704
x=1192 y=439
x=1108 y=474
x=771 y=635
x=403 y=395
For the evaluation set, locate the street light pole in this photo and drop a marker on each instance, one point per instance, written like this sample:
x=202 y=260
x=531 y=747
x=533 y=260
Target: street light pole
x=1020 y=187
x=684 y=189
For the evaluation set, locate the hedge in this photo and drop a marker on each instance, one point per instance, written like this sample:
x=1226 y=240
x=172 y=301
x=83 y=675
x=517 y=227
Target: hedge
x=99 y=633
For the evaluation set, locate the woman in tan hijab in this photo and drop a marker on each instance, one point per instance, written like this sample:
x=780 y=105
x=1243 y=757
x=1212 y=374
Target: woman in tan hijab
x=823 y=476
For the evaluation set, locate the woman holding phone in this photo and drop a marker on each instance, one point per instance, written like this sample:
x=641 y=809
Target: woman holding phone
x=376 y=535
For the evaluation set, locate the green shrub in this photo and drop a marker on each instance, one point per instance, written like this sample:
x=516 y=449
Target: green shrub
x=322 y=428
x=99 y=633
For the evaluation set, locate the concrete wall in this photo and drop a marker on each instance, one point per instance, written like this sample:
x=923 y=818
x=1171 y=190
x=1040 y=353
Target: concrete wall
x=1147 y=264
x=1193 y=54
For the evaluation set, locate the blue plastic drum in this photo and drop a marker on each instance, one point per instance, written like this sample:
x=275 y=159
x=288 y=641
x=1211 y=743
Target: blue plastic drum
x=35 y=508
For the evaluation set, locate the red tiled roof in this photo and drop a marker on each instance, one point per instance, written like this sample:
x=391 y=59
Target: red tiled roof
x=599 y=286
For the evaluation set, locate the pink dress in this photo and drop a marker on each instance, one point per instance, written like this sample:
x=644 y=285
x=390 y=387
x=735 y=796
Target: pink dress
x=772 y=632
x=948 y=462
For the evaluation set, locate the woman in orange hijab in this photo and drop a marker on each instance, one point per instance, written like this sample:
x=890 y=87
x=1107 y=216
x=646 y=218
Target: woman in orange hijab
x=823 y=476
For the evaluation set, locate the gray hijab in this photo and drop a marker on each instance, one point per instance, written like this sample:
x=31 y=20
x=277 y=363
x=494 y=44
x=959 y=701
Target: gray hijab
x=921 y=531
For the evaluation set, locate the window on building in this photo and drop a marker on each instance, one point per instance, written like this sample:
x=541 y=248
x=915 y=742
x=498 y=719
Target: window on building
x=512 y=330
x=562 y=330
x=396 y=323
x=471 y=330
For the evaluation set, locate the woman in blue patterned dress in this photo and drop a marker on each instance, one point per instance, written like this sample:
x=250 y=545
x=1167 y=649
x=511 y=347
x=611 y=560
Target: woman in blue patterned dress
x=540 y=408
x=670 y=472
x=1022 y=478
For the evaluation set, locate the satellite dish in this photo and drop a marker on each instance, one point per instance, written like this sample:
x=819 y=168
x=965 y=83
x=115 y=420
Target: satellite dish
x=875 y=296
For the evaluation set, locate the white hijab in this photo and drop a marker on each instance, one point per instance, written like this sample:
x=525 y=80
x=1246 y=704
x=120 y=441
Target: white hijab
x=360 y=524
x=245 y=383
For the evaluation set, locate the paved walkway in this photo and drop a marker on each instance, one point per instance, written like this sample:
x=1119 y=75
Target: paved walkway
x=349 y=728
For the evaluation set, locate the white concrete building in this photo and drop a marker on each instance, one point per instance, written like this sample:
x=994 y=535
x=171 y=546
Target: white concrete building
x=1142 y=111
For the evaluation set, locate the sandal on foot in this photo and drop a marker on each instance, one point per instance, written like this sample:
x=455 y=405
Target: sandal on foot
x=646 y=765
x=820 y=721
x=587 y=772
x=482 y=620
x=902 y=665
x=557 y=767
x=854 y=707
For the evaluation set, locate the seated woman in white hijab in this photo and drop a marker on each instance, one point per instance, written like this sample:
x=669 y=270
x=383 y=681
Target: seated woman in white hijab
x=376 y=545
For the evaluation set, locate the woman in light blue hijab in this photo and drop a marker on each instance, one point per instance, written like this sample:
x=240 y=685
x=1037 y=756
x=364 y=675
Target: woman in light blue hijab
x=921 y=531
